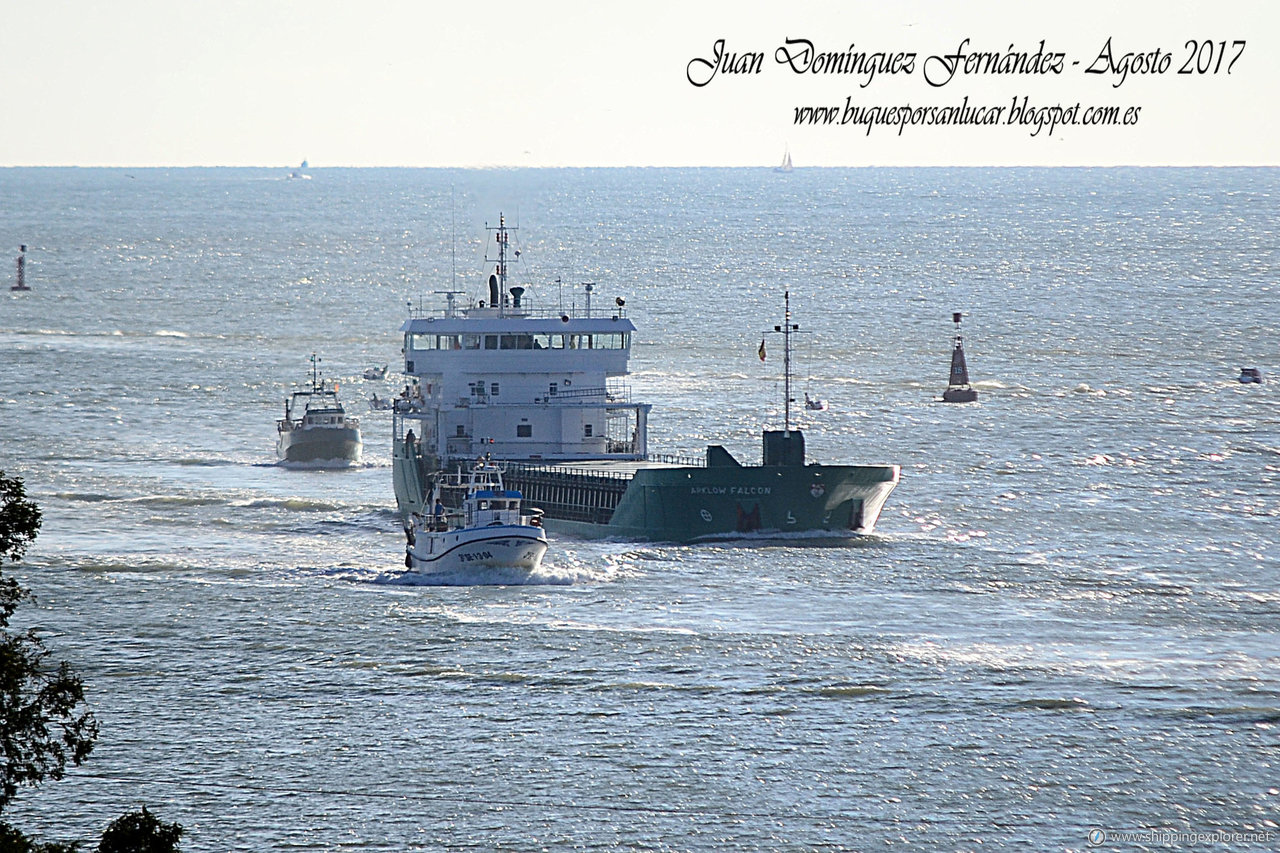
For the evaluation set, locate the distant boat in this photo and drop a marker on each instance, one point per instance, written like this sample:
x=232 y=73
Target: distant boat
x=22 y=270
x=1250 y=374
x=814 y=404
x=958 y=388
x=316 y=429
x=375 y=373
x=299 y=174
x=785 y=165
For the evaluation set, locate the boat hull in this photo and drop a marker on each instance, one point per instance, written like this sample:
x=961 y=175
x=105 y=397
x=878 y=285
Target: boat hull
x=340 y=445
x=687 y=503
x=498 y=547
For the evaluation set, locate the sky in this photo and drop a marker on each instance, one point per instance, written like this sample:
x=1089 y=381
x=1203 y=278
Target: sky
x=557 y=83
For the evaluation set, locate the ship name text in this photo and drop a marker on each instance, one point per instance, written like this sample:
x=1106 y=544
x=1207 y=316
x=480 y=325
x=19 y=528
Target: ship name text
x=731 y=490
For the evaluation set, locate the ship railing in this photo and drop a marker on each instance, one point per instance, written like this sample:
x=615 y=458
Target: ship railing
x=576 y=394
x=674 y=459
x=565 y=471
x=614 y=393
x=525 y=311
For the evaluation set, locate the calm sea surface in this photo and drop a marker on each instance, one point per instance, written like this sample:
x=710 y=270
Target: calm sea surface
x=1068 y=619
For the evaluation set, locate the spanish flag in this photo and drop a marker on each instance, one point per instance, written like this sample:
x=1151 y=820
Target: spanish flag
x=762 y=349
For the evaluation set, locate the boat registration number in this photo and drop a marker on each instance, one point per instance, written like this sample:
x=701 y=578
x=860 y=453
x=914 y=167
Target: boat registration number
x=477 y=555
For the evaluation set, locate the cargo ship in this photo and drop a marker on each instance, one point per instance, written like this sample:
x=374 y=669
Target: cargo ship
x=542 y=393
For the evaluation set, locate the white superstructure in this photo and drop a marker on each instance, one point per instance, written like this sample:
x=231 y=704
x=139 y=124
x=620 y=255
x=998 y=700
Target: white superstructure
x=498 y=377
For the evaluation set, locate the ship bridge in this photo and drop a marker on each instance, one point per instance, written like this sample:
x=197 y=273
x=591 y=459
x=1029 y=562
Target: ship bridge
x=520 y=385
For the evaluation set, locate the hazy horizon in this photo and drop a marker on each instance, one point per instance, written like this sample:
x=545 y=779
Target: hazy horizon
x=146 y=83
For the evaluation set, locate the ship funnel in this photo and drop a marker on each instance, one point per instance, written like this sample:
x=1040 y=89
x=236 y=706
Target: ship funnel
x=495 y=297
x=516 y=293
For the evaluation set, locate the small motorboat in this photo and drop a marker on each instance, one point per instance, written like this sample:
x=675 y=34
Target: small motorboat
x=490 y=531
x=376 y=373
x=814 y=404
x=1250 y=374
x=379 y=404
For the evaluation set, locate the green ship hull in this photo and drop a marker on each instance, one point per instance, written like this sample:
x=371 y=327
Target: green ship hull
x=665 y=502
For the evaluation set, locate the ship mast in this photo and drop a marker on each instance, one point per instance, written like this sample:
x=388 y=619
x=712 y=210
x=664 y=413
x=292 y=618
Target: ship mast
x=498 y=279
x=786 y=329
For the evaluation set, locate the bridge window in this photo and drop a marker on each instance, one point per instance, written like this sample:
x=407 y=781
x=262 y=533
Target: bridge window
x=524 y=430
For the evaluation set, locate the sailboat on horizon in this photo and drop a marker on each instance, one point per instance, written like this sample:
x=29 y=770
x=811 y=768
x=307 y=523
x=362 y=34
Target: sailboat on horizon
x=785 y=165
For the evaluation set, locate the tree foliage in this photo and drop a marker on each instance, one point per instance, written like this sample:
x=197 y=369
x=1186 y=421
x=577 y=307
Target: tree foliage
x=140 y=832
x=13 y=841
x=19 y=519
x=42 y=721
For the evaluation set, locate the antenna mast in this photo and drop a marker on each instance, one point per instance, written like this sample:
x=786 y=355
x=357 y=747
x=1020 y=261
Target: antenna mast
x=786 y=329
x=498 y=278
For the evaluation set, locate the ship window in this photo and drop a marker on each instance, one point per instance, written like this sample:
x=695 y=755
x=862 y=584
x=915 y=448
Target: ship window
x=543 y=341
x=524 y=430
x=553 y=390
x=611 y=341
x=471 y=342
x=493 y=389
x=462 y=431
x=490 y=341
x=517 y=341
x=586 y=430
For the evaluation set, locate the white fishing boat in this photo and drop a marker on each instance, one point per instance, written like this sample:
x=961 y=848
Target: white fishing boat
x=376 y=373
x=489 y=531
x=315 y=428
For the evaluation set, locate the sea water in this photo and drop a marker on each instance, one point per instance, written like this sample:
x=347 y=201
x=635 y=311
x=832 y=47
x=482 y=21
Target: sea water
x=1065 y=623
